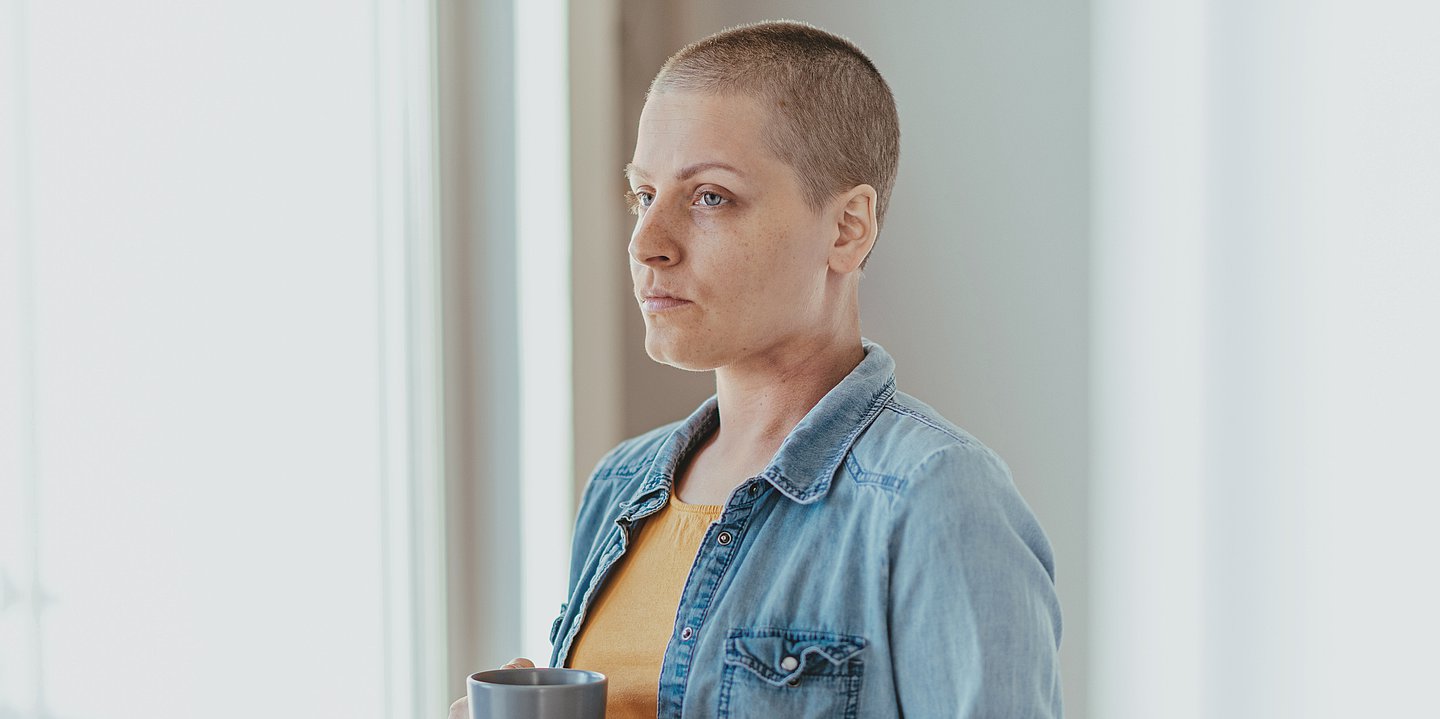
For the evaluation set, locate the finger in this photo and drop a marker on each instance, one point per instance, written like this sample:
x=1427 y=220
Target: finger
x=519 y=663
x=460 y=709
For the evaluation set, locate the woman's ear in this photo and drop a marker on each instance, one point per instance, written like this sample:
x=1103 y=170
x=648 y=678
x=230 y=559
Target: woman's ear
x=856 y=229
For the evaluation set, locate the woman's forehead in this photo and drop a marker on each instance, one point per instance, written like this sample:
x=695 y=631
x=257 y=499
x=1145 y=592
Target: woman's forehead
x=681 y=133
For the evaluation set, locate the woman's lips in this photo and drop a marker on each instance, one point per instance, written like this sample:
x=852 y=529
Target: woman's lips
x=663 y=304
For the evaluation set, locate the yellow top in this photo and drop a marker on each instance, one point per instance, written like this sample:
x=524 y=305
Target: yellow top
x=629 y=624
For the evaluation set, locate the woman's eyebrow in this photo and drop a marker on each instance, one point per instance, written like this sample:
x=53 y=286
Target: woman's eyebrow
x=685 y=173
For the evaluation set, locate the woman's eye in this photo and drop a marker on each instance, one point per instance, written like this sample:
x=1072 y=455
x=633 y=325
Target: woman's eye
x=710 y=199
x=644 y=199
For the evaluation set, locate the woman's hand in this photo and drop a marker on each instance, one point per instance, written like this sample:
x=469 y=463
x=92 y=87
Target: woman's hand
x=461 y=708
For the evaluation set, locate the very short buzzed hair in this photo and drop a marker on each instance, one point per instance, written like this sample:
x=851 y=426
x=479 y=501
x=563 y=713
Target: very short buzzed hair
x=834 y=119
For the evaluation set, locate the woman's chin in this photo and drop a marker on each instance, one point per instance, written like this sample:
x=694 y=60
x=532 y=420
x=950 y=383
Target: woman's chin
x=678 y=352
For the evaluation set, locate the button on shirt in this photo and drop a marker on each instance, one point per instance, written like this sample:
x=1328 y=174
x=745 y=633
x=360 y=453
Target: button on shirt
x=882 y=565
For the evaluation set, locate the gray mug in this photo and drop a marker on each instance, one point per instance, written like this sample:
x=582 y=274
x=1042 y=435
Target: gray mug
x=536 y=694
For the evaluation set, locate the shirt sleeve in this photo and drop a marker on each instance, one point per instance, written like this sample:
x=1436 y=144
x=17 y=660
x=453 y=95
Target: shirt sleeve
x=974 y=620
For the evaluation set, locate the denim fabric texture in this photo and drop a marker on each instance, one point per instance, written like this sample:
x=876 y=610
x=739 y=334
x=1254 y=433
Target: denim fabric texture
x=882 y=565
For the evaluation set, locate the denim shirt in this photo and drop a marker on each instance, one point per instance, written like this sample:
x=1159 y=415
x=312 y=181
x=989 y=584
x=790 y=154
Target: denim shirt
x=882 y=565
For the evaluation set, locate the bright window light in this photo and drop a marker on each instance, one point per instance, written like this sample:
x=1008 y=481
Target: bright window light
x=543 y=221
x=1149 y=376
x=211 y=244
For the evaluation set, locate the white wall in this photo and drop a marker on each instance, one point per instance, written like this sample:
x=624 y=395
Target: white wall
x=1268 y=246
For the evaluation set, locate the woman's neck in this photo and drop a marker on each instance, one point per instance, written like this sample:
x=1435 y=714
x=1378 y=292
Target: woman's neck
x=762 y=401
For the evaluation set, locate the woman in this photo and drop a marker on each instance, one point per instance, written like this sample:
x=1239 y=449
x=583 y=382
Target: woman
x=810 y=541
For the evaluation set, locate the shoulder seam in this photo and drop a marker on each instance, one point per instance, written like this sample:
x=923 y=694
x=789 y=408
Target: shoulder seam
x=888 y=482
x=901 y=409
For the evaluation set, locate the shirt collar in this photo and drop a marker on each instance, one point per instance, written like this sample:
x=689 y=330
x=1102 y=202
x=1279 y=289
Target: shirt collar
x=811 y=454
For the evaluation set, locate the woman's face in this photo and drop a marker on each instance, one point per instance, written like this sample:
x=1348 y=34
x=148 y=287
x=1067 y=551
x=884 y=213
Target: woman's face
x=728 y=260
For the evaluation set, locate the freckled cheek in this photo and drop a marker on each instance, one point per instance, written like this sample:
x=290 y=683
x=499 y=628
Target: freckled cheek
x=735 y=249
x=711 y=223
x=761 y=279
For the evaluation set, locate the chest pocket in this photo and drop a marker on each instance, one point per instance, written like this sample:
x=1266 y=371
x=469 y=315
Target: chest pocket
x=790 y=673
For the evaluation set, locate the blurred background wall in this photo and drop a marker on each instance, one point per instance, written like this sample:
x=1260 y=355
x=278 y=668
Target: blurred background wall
x=314 y=317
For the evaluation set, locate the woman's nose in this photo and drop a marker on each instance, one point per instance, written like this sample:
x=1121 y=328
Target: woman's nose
x=653 y=241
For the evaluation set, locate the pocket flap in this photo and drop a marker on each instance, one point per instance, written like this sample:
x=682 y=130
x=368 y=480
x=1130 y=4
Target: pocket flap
x=779 y=656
